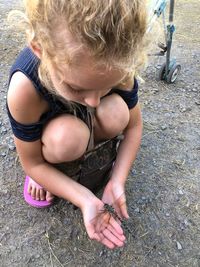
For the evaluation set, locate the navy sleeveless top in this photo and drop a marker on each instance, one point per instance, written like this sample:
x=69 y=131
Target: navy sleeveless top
x=27 y=63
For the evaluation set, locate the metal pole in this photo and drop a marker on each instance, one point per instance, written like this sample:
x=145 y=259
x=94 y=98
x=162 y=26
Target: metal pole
x=171 y=11
x=170 y=31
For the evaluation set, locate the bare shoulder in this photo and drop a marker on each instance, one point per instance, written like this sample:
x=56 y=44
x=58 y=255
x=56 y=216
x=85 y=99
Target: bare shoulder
x=24 y=103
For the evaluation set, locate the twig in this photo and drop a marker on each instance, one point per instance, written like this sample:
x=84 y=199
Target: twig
x=51 y=251
x=152 y=132
x=144 y=234
x=51 y=258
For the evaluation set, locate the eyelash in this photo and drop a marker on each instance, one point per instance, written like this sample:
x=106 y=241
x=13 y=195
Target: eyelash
x=73 y=90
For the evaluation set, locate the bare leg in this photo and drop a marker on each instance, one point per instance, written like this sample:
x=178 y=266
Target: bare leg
x=112 y=117
x=64 y=139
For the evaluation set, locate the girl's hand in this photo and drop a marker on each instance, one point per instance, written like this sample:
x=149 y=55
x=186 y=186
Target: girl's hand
x=114 y=195
x=100 y=226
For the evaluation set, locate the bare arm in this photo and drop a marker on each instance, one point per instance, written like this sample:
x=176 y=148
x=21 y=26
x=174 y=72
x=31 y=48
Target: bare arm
x=129 y=146
x=114 y=191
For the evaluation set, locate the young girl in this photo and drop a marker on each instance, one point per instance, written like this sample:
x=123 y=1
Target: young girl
x=71 y=93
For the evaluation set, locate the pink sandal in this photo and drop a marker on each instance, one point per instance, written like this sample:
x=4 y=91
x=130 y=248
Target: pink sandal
x=28 y=198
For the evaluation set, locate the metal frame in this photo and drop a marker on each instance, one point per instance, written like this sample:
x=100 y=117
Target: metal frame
x=169 y=70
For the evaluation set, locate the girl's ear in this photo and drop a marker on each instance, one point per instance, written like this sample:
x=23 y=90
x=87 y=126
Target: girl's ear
x=36 y=49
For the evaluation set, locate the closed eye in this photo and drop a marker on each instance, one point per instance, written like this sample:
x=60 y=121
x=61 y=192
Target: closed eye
x=72 y=90
x=79 y=91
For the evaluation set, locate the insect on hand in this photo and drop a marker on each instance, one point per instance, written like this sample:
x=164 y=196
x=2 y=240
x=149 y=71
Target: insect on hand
x=111 y=212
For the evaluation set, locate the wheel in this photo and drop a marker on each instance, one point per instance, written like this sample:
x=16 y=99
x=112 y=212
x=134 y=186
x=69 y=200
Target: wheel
x=161 y=73
x=173 y=73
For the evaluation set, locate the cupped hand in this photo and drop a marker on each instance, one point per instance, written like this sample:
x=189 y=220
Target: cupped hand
x=101 y=226
x=114 y=195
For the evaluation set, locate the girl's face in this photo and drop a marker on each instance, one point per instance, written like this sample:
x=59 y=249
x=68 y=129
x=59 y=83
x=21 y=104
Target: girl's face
x=83 y=83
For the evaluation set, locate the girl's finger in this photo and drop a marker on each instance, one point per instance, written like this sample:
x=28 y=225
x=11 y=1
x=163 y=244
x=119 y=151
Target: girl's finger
x=121 y=237
x=123 y=210
x=121 y=207
x=107 y=243
x=112 y=238
x=116 y=225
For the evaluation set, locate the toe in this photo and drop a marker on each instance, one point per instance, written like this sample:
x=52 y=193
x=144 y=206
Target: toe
x=29 y=188
x=42 y=194
x=33 y=192
x=37 y=194
x=49 y=196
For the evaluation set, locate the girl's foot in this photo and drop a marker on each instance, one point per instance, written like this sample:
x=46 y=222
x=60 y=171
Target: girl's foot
x=35 y=195
x=37 y=192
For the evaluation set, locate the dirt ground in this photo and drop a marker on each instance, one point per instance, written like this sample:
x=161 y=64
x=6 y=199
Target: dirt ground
x=163 y=189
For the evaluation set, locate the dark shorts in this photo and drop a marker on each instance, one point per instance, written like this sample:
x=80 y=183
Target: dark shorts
x=93 y=170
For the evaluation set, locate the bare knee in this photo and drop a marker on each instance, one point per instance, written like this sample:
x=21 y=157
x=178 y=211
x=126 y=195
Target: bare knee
x=112 y=117
x=65 y=138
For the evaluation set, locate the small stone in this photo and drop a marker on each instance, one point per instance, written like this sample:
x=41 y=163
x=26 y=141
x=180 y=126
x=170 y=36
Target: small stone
x=137 y=210
x=3 y=130
x=181 y=138
x=180 y=192
x=179 y=246
x=194 y=90
x=185 y=110
x=163 y=127
x=178 y=162
x=101 y=253
x=11 y=147
x=139 y=201
x=5 y=191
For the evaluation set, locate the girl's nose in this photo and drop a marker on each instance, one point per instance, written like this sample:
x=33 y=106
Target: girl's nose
x=92 y=101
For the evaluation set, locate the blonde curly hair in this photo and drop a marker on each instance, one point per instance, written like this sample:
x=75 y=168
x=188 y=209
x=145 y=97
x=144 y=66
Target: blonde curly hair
x=113 y=31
